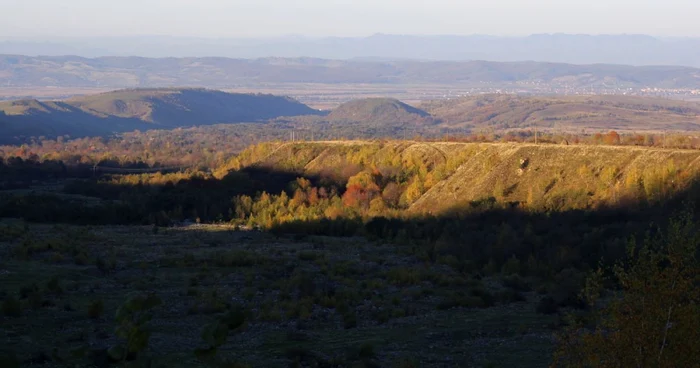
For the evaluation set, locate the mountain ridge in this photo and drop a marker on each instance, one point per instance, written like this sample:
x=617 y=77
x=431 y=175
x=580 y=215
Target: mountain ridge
x=635 y=49
x=219 y=72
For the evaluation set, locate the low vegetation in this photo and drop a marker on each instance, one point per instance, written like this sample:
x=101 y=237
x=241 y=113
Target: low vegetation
x=347 y=253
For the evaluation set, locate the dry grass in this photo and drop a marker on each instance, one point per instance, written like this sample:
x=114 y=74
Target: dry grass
x=591 y=175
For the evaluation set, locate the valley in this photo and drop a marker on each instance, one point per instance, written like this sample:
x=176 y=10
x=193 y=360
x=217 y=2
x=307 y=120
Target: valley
x=329 y=253
x=195 y=227
x=349 y=184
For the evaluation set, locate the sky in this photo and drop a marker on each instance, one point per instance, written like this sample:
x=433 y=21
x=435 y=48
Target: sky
x=48 y=19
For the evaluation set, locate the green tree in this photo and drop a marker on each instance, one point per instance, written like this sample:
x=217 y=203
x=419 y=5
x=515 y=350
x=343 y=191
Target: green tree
x=132 y=326
x=654 y=318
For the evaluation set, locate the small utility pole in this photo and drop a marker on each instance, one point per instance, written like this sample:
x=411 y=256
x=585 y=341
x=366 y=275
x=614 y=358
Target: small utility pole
x=535 y=134
x=664 y=144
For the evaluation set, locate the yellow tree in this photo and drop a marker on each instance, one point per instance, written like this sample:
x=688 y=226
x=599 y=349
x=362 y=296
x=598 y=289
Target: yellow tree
x=653 y=320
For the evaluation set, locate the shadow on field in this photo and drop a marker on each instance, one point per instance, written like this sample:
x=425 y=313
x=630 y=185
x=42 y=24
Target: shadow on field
x=478 y=236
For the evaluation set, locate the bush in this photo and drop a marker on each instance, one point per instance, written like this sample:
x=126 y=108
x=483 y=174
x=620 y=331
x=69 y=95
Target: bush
x=516 y=283
x=27 y=290
x=366 y=351
x=510 y=296
x=309 y=256
x=132 y=326
x=547 y=306
x=349 y=320
x=404 y=363
x=54 y=286
x=36 y=300
x=455 y=301
x=9 y=360
x=81 y=259
x=403 y=276
x=11 y=307
x=96 y=309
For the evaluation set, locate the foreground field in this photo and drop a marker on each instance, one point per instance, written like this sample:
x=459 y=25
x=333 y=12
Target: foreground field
x=305 y=301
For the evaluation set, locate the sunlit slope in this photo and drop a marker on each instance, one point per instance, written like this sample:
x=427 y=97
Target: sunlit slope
x=454 y=175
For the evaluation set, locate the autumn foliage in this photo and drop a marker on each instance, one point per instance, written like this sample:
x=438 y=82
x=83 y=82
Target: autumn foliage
x=654 y=319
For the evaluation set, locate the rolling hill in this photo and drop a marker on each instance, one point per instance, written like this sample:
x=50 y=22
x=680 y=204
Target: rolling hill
x=566 y=113
x=380 y=111
x=143 y=109
x=128 y=110
x=133 y=72
x=549 y=176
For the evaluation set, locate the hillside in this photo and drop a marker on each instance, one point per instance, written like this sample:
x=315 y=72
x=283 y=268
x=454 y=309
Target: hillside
x=379 y=110
x=131 y=72
x=144 y=109
x=566 y=113
x=453 y=175
x=128 y=110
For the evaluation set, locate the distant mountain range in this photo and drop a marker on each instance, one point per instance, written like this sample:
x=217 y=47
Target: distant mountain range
x=128 y=110
x=221 y=73
x=562 y=48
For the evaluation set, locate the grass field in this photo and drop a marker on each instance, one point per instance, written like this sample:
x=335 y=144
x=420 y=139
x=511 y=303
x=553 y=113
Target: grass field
x=311 y=301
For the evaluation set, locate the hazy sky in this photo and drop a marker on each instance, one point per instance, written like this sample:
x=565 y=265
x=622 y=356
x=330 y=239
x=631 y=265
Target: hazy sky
x=252 y=18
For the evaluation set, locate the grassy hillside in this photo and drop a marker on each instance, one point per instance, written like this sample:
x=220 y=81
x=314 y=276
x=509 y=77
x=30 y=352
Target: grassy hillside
x=127 y=110
x=567 y=113
x=438 y=177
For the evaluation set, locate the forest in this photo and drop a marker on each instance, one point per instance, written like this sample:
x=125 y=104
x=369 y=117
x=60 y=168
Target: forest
x=578 y=230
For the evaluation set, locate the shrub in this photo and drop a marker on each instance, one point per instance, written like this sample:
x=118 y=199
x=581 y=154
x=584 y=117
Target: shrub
x=510 y=296
x=547 y=306
x=11 y=307
x=106 y=266
x=54 y=286
x=309 y=256
x=516 y=283
x=96 y=309
x=215 y=334
x=9 y=360
x=366 y=351
x=404 y=363
x=461 y=301
x=27 y=290
x=403 y=276
x=349 y=320
x=36 y=300
x=132 y=326
x=305 y=284
x=81 y=259
x=511 y=267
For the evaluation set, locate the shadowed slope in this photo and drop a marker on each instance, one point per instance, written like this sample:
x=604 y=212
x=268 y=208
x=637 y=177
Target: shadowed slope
x=128 y=110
